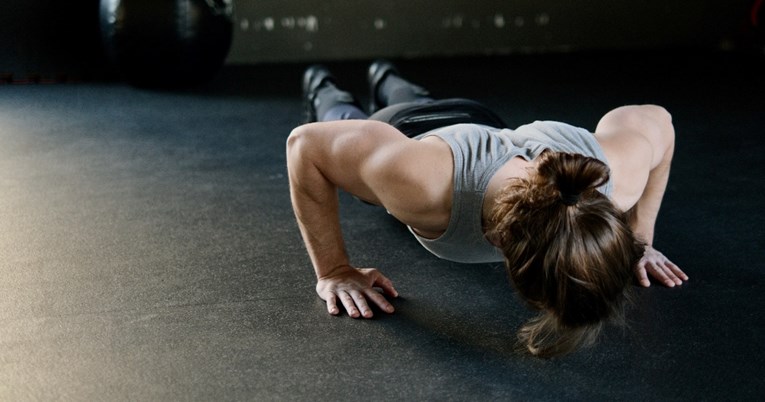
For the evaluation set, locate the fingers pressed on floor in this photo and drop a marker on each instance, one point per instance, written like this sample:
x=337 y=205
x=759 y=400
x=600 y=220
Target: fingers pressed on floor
x=379 y=300
x=349 y=305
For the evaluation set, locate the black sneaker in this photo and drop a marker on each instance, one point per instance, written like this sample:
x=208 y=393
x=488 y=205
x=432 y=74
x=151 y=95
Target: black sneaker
x=377 y=72
x=320 y=93
x=314 y=78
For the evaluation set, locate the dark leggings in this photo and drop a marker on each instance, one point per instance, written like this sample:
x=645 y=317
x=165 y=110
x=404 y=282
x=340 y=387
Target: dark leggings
x=409 y=108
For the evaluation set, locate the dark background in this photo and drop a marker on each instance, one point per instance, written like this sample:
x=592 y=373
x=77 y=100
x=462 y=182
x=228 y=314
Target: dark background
x=148 y=250
x=55 y=40
x=51 y=38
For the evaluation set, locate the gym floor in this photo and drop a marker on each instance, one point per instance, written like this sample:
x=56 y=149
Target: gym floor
x=148 y=249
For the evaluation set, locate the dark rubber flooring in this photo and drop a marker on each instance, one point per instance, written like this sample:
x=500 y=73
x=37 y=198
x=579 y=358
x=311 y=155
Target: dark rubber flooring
x=148 y=249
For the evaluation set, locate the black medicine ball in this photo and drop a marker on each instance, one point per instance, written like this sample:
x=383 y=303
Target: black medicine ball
x=166 y=43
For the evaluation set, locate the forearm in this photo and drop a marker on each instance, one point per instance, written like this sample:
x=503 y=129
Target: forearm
x=643 y=215
x=322 y=158
x=643 y=219
x=315 y=203
x=320 y=228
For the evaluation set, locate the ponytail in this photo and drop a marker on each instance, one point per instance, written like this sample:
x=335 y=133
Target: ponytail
x=571 y=175
x=569 y=251
x=544 y=336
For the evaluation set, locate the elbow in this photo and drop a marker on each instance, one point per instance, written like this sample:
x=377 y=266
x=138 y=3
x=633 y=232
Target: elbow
x=663 y=119
x=668 y=130
x=660 y=113
x=297 y=136
x=296 y=143
x=295 y=150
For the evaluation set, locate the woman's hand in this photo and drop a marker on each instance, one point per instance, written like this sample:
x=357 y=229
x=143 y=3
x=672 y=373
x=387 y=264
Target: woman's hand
x=354 y=287
x=660 y=268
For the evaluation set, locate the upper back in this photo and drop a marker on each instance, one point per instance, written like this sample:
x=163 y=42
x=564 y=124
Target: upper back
x=561 y=137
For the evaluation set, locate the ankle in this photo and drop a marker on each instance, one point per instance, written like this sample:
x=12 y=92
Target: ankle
x=328 y=96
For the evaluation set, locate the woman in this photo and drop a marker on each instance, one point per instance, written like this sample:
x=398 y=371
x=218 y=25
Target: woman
x=571 y=213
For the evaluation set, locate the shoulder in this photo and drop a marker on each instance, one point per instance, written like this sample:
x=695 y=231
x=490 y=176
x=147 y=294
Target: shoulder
x=650 y=125
x=379 y=164
x=335 y=136
x=414 y=181
x=635 y=139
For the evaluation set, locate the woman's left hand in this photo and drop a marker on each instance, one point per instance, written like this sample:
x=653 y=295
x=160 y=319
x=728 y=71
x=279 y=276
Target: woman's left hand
x=660 y=268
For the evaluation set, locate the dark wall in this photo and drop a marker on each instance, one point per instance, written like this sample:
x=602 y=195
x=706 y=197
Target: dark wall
x=55 y=39
x=50 y=39
x=274 y=30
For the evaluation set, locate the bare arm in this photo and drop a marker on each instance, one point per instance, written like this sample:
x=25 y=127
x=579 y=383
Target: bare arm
x=315 y=202
x=639 y=140
x=370 y=160
x=315 y=154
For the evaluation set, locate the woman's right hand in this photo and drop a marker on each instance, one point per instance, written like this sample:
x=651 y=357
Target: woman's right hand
x=354 y=288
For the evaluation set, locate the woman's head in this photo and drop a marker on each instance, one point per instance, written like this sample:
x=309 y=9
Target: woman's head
x=569 y=251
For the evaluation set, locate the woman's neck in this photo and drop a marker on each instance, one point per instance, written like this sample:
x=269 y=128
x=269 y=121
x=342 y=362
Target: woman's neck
x=515 y=168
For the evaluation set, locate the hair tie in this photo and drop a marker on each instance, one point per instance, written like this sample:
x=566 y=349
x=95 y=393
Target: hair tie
x=569 y=198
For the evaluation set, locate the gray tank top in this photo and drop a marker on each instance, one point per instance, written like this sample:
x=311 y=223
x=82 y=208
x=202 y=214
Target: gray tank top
x=479 y=151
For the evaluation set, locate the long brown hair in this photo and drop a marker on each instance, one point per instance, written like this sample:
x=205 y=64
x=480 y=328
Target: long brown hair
x=569 y=251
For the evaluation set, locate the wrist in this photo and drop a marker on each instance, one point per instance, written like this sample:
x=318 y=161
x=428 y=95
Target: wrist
x=333 y=271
